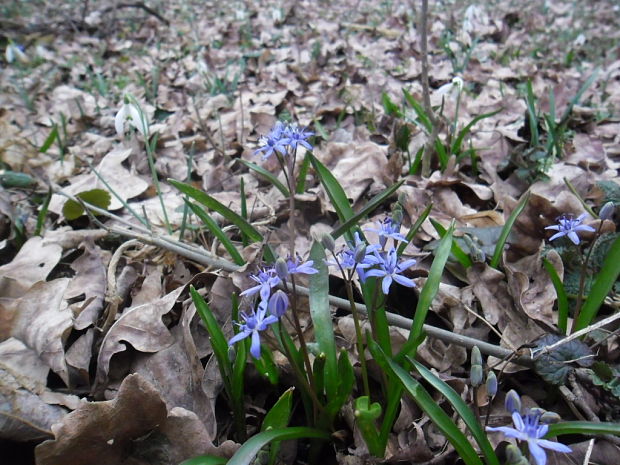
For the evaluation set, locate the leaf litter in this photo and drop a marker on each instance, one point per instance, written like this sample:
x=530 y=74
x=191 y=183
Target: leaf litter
x=119 y=374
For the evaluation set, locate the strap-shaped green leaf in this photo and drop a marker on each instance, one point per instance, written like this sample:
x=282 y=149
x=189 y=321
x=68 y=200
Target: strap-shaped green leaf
x=209 y=202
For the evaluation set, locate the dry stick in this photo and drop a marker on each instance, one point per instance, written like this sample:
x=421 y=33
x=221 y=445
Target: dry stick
x=203 y=257
x=430 y=143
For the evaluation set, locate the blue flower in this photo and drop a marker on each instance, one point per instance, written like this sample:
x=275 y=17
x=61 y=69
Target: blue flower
x=277 y=139
x=528 y=428
x=388 y=228
x=266 y=279
x=349 y=257
x=389 y=269
x=569 y=226
x=297 y=136
x=296 y=266
x=252 y=325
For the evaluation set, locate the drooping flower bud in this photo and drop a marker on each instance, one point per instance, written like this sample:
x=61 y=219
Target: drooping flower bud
x=513 y=401
x=327 y=241
x=476 y=357
x=607 y=211
x=475 y=375
x=549 y=418
x=491 y=384
x=514 y=456
x=278 y=303
x=360 y=253
x=281 y=268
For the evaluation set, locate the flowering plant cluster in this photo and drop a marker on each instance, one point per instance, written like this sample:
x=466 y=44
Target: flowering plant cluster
x=272 y=305
x=530 y=427
x=376 y=260
x=282 y=138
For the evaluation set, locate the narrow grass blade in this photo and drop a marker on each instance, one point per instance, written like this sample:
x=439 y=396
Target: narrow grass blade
x=268 y=176
x=582 y=427
x=419 y=110
x=50 y=139
x=426 y=402
x=456 y=146
x=223 y=210
x=370 y=206
x=575 y=100
x=247 y=452
x=561 y=293
x=43 y=213
x=530 y=101
x=244 y=210
x=503 y=237
x=427 y=294
x=414 y=228
x=603 y=283
x=462 y=409
x=217 y=232
x=322 y=318
x=458 y=253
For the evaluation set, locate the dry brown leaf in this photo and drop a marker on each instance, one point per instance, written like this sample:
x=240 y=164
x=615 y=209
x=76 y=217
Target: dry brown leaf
x=105 y=430
x=140 y=326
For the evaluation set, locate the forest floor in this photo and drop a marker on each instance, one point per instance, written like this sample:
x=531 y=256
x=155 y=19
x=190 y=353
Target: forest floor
x=102 y=356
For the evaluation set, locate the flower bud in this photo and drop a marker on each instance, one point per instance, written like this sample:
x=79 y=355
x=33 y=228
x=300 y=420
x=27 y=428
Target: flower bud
x=476 y=357
x=513 y=401
x=397 y=214
x=514 y=456
x=327 y=241
x=475 y=375
x=607 y=211
x=278 y=303
x=281 y=268
x=491 y=384
x=550 y=417
x=360 y=253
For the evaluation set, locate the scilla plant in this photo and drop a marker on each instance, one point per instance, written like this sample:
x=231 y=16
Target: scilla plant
x=324 y=376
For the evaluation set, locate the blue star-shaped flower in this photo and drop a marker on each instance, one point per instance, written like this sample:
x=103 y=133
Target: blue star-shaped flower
x=569 y=226
x=388 y=229
x=529 y=429
x=266 y=279
x=390 y=270
x=277 y=139
x=252 y=325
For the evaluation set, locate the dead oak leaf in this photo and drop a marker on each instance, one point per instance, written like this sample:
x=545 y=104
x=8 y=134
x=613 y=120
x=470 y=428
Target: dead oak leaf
x=105 y=430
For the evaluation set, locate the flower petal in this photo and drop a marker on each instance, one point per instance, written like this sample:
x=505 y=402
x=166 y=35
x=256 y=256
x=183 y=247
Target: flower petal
x=403 y=281
x=119 y=121
x=556 y=446
x=255 y=347
x=537 y=452
x=238 y=337
x=385 y=285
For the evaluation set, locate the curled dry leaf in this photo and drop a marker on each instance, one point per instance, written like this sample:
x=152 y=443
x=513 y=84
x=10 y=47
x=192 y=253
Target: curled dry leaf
x=33 y=263
x=140 y=326
x=43 y=321
x=105 y=430
x=24 y=416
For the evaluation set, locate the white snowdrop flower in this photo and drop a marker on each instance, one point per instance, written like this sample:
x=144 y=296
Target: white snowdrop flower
x=579 y=40
x=131 y=111
x=454 y=86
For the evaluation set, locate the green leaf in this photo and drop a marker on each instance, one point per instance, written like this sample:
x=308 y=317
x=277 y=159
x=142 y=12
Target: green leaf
x=247 y=452
x=561 y=293
x=53 y=135
x=390 y=107
x=278 y=417
x=268 y=176
x=426 y=402
x=213 y=204
x=603 y=283
x=366 y=416
x=217 y=232
x=530 y=101
x=370 y=206
x=582 y=427
x=462 y=409
x=43 y=213
x=216 y=336
x=419 y=110
x=458 y=253
x=427 y=294
x=72 y=210
x=322 y=318
x=12 y=179
x=301 y=177
x=499 y=248
x=205 y=460
x=335 y=192
x=414 y=228
x=456 y=146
